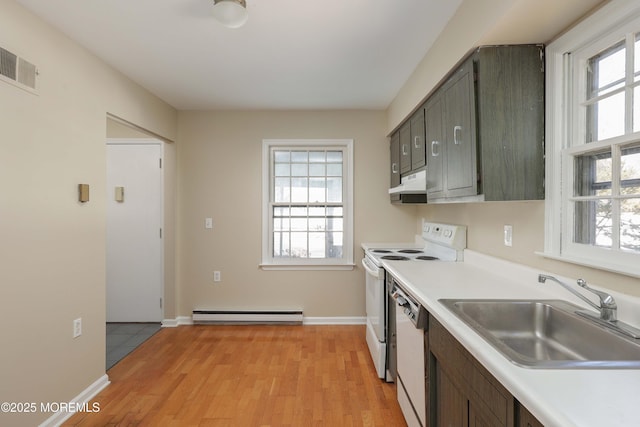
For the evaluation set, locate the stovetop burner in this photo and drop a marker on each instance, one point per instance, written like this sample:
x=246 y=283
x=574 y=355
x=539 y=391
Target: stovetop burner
x=395 y=257
x=382 y=251
x=427 y=258
x=410 y=251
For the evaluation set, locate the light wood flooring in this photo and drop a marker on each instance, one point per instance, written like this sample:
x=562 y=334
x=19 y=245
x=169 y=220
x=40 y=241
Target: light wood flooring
x=258 y=375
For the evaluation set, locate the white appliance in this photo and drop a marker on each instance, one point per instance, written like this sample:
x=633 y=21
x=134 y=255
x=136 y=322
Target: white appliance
x=411 y=326
x=440 y=242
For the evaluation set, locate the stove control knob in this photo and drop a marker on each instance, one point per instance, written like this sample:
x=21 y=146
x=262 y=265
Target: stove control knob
x=447 y=233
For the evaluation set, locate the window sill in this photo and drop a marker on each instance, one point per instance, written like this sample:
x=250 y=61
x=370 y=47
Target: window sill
x=308 y=267
x=627 y=270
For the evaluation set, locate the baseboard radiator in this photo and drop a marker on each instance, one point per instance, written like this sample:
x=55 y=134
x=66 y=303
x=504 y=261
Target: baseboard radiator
x=247 y=317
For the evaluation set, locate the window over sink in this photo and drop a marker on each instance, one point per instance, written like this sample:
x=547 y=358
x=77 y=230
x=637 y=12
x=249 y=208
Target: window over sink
x=307 y=204
x=593 y=141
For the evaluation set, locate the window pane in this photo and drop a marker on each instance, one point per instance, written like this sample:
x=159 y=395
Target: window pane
x=592 y=174
x=317 y=169
x=282 y=189
x=334 y=156
x=606 y=71
x=334 y=190
x=334 y=169
x=299 y=169
x=317 y=245
x=281 y=245
x=593 y=223
x=606 y=118
x=334 y=224
x=282 y=169
x=299 y=190
x=334 y=245
x=298 y=224
x=317 y=211
x=630 y=225
x=299 y=156
x=317 y=156
x=282 y=156
x=630 y=170
x=334 y=211
x=317 y=190
x=299 y=245
x=317 y=224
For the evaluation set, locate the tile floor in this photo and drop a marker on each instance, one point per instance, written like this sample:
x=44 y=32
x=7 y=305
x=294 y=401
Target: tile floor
x=123 y=338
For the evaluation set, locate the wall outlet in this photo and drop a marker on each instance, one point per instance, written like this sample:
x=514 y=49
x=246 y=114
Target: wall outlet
x=216 y=276
x=77 y=327
x=508 y=235
x=208 y=223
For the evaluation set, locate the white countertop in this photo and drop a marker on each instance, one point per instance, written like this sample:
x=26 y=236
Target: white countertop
x=557 y=397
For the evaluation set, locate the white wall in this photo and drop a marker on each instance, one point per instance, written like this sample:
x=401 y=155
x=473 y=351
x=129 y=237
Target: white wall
x=52 y=248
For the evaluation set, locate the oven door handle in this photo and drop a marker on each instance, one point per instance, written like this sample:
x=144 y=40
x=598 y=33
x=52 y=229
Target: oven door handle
x=371 y=269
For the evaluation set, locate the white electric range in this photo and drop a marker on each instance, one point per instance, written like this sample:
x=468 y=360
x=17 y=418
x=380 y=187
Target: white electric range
x=441 y=242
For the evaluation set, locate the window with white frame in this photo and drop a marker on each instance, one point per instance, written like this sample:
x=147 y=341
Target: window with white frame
x=593 y=141
x=307 y=204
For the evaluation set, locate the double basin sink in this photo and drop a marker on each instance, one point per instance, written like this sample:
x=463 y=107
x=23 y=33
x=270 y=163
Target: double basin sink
x=546 y=334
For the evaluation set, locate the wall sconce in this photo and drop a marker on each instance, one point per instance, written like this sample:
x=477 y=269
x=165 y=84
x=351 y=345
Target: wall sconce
x=119 y=194
x=83 y=193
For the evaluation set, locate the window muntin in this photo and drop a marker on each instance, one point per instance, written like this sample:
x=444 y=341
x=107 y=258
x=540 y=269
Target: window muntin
x=308 y=204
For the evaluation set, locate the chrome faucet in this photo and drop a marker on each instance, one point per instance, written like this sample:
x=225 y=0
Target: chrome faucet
x=607 y=308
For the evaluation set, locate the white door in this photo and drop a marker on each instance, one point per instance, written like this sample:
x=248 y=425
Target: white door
x=134 y=241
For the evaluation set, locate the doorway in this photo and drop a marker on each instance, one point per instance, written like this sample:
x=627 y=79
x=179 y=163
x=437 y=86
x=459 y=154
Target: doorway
x=134 y=231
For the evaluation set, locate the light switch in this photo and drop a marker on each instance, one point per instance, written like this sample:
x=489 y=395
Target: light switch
x=508 y=235
x=208 y=223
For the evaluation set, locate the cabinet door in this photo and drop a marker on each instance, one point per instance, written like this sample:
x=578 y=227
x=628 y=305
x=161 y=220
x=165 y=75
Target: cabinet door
x=436 y=149
x=417 y=140
x=405 y=148
x=460 y=133
x=395 y=165
x=451 y=404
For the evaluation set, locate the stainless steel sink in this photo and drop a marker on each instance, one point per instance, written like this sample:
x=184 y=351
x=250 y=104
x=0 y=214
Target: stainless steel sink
x=546 y=334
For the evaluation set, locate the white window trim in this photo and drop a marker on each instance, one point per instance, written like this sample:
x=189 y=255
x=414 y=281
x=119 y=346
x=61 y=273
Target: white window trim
x=270 y=263
x=610 y=17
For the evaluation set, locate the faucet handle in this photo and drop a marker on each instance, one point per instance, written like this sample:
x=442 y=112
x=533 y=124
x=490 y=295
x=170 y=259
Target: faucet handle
x=606 y=300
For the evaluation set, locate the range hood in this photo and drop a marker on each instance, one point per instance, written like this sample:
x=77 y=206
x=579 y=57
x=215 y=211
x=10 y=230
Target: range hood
x=416 y=183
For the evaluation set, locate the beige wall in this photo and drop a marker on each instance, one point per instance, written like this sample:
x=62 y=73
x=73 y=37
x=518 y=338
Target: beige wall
x=478 y=23
x=486 y=221
x=52 y=248
x=220 y=174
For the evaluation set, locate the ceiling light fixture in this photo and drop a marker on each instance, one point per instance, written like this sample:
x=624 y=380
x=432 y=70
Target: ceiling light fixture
x=231 y=13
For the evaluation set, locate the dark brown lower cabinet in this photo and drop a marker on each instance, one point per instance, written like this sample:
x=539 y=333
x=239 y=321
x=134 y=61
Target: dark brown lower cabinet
x=464 y=393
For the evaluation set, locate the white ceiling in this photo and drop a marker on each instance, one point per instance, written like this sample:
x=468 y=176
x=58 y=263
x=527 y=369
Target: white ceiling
x=291 y=54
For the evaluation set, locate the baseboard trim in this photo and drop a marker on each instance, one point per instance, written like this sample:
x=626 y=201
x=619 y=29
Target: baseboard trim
x=178 y=321
x=187 y=320
x=84 y=397
x=334 y=321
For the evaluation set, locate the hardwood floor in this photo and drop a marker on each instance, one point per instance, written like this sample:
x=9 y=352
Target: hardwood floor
x=258 y=375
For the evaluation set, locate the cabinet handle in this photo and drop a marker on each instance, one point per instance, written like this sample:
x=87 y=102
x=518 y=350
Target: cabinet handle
x=394 y=168
x=404 y=150
x=416 y=141
x=433 y=151
x=456 y=129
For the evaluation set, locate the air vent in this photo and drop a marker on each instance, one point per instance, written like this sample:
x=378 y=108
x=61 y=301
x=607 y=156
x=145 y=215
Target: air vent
x=17 y=70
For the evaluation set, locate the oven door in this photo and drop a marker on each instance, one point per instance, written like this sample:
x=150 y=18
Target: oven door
x=375 y=307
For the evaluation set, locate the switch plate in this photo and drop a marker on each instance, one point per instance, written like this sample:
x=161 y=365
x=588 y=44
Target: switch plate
x=77 y=327
x=508 y=235
x=208 y=223
x=216 y=276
